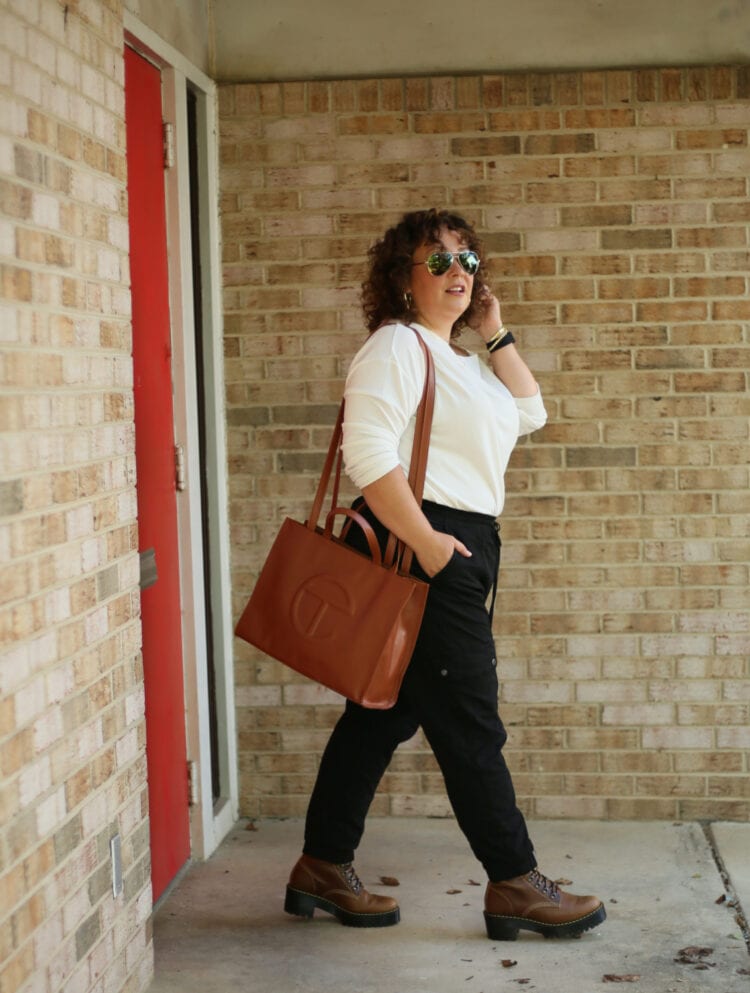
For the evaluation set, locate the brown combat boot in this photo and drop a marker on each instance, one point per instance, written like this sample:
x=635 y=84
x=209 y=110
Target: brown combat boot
x=535 y=903
x=337 y=890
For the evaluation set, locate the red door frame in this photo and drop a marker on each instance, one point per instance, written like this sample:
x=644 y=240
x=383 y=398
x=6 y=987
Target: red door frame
x=157 y=504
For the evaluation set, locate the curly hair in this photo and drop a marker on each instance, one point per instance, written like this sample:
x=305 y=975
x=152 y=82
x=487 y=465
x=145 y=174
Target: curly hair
x=384 y=296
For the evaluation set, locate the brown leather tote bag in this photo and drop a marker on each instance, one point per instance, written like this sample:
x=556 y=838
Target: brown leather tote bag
x=342 y=618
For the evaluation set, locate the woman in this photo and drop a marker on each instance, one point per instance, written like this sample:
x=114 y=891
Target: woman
x=426 y=272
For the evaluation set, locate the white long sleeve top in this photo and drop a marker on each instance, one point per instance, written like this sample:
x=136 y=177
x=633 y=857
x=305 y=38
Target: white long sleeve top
x=475 y=426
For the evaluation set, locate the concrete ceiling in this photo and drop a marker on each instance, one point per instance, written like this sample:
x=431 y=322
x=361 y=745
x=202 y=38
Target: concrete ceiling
x=334 y=39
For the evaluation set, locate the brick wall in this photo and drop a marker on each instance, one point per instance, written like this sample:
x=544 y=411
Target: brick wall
x=72 y=760
x=614 y=209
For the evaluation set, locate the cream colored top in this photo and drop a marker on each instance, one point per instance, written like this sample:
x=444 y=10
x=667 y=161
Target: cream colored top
x=475 y=426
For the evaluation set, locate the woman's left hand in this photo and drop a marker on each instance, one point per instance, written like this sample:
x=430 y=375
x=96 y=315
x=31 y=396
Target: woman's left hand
x=489 y=318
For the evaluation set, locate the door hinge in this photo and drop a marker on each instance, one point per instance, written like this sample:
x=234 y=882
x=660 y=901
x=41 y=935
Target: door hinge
x=192 y=771
x=179 y=468
x=168 y=134
x=149 y=575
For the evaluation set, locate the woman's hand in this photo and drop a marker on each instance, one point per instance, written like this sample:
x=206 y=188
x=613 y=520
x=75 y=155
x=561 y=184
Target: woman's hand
x=391 y=500
x=438 y=552
x=489 y=318
x=506 y=363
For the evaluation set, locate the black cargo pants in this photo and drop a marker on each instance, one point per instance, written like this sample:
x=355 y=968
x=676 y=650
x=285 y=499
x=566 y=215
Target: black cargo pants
x=450 y=689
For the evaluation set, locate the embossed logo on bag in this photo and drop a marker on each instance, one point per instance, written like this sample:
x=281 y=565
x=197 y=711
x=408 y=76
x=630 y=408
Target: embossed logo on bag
x=317 y=607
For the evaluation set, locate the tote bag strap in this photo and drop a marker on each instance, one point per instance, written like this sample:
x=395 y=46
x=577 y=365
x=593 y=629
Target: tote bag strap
x=396 y=551
x=325 y=476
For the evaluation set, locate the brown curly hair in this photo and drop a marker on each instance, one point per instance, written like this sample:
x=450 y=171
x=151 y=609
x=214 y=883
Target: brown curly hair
x=384 y=296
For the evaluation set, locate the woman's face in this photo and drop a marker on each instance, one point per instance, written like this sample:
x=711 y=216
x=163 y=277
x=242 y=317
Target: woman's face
x=440 y=300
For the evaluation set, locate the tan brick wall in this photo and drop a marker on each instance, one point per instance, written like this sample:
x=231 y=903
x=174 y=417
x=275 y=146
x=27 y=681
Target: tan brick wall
x=614 y=210
x=72 y=760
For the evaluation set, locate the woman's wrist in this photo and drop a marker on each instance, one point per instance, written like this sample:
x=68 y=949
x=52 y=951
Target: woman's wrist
x=496 y=335
x=500 y=339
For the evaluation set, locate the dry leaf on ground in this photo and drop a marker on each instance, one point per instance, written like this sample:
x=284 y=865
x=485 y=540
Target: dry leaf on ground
x=693 y=955
x=389 y=881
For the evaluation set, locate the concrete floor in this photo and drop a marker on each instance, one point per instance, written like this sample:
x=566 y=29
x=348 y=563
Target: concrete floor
x=223 y=928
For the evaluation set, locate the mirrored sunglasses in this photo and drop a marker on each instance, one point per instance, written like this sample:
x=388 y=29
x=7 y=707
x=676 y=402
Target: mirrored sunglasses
x=438 y=263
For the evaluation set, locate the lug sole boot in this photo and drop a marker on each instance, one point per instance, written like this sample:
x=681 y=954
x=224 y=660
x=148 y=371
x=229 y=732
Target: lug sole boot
x=337 y=889
x=534 y=903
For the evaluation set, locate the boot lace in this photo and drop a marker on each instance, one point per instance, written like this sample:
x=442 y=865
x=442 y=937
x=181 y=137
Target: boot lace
x=545 y=886
x=350 y=876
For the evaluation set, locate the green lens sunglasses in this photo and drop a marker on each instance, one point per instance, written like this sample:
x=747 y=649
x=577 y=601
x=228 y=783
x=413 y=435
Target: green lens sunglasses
x=438 y=263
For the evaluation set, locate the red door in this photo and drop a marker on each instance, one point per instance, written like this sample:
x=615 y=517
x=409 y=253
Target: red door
x=154 y=445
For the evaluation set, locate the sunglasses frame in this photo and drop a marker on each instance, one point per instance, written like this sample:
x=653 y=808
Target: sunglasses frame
x=452 y=255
